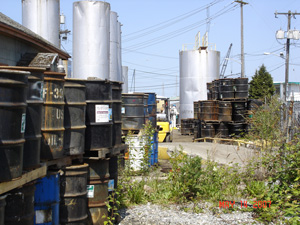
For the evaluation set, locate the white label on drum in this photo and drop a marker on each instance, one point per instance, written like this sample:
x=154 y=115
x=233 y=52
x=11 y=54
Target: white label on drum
x=123 y=110
x=43 y=216
x=90 y=191
x=23 y=123
x=102 y=113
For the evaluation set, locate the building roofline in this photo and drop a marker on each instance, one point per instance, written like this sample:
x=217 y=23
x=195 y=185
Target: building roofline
x=9 y=27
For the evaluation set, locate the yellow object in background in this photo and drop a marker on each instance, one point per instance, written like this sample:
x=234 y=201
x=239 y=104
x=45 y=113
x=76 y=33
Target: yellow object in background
x=165 y=133
x=163 y=153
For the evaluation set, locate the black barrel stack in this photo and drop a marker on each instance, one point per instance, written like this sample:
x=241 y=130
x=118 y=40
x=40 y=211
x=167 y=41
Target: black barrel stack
x=60 y=138
x=224 y=114
x=74 y=116
x=13 y=88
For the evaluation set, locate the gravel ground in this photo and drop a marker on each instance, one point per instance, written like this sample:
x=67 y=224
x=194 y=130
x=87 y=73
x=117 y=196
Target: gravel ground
x=150 y=214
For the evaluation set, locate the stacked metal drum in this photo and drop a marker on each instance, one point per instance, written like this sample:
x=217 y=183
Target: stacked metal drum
x=138 y=109
x=225 y=113
x=71 y=125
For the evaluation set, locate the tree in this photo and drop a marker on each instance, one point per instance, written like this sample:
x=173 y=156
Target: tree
x=261 y=85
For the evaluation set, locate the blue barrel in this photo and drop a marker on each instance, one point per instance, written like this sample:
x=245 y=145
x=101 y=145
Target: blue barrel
x=155 y=146
x=46 y=196
x=152 y=108
x=151 y=156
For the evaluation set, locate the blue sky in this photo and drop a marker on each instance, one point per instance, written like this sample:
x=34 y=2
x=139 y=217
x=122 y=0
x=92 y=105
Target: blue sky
x=154 y=31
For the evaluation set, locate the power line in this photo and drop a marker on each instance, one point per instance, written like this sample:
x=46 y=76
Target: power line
x=169 y=22
x=168 y=57
x=180 y=31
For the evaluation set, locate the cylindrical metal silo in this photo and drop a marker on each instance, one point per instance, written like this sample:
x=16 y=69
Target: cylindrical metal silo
x=91 y=25
x=125 y=79
x=196 y=69
x=119 y=52
x=113 y=55
x=189 y=82
x=42 y=17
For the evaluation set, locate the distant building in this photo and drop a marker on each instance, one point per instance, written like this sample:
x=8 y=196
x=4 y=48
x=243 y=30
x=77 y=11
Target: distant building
x=293 y=90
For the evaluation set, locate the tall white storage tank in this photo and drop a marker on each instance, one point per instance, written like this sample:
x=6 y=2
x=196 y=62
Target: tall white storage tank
x=91 y=25
x=119 y=51
x=42 y=17
x=197 y=67
x=114 y=43
x=125 y=79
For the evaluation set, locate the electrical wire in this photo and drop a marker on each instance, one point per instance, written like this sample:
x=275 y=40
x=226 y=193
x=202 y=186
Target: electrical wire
x=180 y=31
x=169 y=22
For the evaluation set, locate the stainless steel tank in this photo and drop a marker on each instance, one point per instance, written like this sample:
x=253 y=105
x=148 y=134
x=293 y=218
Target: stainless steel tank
x=125 y=79
x=114 y=43
x=42 y=17
x=119 y=52
x=197 y=67
x=91 y=26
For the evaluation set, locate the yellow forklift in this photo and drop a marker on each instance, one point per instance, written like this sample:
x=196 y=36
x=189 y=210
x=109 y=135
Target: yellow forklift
x=165 y=131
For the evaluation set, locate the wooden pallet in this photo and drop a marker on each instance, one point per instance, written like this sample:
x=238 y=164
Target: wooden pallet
x=62 y=162
x=226 y=141
x=24 y=179
x=101 y=153
x=119 y=149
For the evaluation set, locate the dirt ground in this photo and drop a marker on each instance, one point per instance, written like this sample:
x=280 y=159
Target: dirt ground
x=222 y=153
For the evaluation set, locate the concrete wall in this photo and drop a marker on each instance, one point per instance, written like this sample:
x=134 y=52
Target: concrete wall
x=11 y=50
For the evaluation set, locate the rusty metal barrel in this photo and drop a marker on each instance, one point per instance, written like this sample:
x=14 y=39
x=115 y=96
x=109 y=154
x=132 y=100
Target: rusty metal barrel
x=74 y=116
x=226 y=88
x=222 y=130
x=241 y=88
x=225 y=111
x=116 y=113
x=197 y=129
x=98 y=190
x=19 y=209
x=13 y=95
x=2 y=208
x=53 y=116
x=209 y=110
x=215 y=95
x=207 y=130
x=73 y=194
x=187 y=126
x=98 y=134
x=196 y=110
x=239 y=110
x=209 y=88
x=146 y=113
x=32 y=145
x=133 y=114
x=237 y=129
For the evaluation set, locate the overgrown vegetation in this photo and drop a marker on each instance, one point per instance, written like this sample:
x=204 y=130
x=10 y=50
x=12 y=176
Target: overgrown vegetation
x=272 y=176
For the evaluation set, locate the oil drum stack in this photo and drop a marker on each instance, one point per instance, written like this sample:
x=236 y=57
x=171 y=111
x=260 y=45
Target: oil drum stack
x=224 y=114
x=103 y=143
x=72 y=127
x=137 y=110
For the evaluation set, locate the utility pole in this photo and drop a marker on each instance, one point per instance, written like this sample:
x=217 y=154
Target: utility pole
x=287 y=64
x=242 y=39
